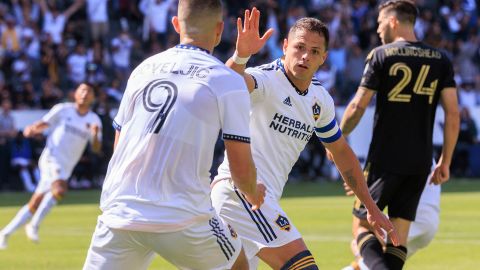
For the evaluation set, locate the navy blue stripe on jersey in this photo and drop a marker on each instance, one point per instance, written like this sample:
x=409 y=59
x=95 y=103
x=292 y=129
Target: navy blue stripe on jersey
x=265 y=233
x=333 y=138
x=236 y=138
x=327 y=127
x=116 y=126
x=191 y=47
x=255 y=81
x=315 y=81
x=282 y=68
x=223 y=241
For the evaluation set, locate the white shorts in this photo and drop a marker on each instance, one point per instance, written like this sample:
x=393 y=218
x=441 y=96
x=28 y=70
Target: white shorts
x=268 y=226
x=424 y=228
x=207 y=245
x=50 y=171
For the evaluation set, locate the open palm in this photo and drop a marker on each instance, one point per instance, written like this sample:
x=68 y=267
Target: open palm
x=248 y=39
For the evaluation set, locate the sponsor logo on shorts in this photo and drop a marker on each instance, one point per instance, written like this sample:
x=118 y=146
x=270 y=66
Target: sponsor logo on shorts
x=283 y=223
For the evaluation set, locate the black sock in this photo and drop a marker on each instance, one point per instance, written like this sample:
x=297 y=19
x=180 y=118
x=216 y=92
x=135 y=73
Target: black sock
x=371 y=251
x=395 y=256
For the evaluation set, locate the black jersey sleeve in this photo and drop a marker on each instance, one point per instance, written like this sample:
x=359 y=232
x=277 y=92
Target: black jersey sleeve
x=449 y=74
x=371 y=75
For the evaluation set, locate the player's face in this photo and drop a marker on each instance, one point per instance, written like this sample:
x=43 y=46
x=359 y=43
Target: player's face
x=384 y=29
x=304 y=53
x=84 y=95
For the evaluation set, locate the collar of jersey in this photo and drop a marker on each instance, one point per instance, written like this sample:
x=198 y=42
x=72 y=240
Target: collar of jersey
x=191 y=47
x=282 y=68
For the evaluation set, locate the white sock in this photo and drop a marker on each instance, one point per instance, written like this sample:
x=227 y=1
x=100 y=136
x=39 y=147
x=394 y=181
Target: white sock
x=27 y=180
x=23 y=215
x=47 y=203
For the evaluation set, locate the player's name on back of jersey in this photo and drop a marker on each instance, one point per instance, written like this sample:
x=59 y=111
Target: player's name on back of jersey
x=171 y=67
x=291 y=127
x=411 y=51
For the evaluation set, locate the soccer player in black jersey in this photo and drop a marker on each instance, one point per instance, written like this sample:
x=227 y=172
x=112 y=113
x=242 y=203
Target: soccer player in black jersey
x=409 y=79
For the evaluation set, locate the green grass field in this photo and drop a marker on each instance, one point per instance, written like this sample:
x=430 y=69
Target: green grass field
x=319 y=210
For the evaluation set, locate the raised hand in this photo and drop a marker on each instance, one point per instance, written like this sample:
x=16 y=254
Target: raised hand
x=248 y=39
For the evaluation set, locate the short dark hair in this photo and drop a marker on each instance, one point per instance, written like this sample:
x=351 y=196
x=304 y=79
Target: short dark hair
x=312 y=25
x=200 y=6
x=405 y=10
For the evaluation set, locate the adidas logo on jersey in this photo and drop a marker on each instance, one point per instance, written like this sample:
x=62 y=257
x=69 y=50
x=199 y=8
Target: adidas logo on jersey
x=287 y=102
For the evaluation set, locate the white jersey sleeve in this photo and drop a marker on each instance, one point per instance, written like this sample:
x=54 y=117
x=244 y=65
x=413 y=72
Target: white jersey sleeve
x=54 y=115
x=234 y=109
x=260 y=89
x=327 y=128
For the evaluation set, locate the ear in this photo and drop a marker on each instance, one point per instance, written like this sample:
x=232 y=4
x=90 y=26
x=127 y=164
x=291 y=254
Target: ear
x=285 y=45
x=176 y=24
x=393 y=22
x=324 y=56
x=218 y=32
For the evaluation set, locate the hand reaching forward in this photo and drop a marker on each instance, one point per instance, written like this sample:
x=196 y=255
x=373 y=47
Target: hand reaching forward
x=248 y=39
x=379 y=221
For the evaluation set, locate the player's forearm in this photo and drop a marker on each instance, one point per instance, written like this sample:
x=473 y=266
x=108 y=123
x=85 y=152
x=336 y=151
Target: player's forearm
x=96 y=145
x=351 y=117
x=245 y=179
x=349 y=167
x=450 y=136
x=36 y=128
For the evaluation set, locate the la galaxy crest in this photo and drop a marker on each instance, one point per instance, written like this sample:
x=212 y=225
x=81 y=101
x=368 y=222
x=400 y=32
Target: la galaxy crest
x=283 y=223
x=316 y=109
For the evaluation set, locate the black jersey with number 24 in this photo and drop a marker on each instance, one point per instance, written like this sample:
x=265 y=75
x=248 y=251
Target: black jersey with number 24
x=408 y=78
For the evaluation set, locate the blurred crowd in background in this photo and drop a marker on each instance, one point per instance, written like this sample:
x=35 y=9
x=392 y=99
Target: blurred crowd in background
x=47 y=47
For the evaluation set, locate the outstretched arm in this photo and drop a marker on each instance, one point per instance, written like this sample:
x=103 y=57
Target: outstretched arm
x=249 y=42
x=349 y=167
x=35 y=129
x=73 y=8
x=43 y=6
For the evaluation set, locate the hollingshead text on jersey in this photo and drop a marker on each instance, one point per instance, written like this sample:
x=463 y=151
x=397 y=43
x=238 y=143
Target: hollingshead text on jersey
x=291 y=127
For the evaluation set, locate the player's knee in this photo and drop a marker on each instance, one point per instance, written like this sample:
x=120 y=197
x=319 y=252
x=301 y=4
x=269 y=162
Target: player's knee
x=303 y=260
x=59 y=190
x=35 y=202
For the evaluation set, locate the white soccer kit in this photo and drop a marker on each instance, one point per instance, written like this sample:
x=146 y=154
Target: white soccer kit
x=69 y=133
x=158 y=179
x=282 y=121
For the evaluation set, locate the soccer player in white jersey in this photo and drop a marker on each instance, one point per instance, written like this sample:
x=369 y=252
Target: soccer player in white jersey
x=288 y=106
x=71 y=126
x=156 y=194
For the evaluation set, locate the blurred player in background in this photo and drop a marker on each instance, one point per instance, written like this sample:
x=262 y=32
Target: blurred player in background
x=156 y=194
x=71 y=126
x=288 y=106
x=409 y=79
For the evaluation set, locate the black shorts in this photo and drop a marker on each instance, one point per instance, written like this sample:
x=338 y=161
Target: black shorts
x=400 y=193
